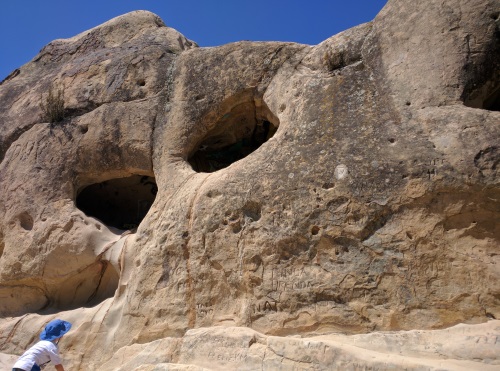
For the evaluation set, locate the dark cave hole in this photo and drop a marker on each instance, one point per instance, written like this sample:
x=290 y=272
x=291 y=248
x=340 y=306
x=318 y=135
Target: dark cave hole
x=488 y=99
x=120 y=203
x=492 y=102
x=483 y=89
x=236 y=135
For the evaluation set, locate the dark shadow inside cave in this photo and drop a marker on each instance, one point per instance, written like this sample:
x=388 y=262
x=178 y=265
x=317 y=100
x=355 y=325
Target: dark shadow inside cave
x=492 y=101
x=488 y=99
x=238 y=133
x=483 y=89
x=120 y=203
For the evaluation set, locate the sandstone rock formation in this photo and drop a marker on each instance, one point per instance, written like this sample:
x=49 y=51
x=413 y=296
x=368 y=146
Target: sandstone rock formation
x=275 y=189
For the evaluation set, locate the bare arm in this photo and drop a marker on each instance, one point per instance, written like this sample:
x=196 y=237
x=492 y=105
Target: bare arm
x=59 y=367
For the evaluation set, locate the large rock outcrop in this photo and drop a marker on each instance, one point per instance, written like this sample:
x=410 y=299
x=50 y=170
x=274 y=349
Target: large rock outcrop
x=275 y=189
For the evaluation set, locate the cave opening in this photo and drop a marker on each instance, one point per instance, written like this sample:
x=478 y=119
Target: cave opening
x=121 y=203
x=483 y=89
x=239 y=132
x=487 y=97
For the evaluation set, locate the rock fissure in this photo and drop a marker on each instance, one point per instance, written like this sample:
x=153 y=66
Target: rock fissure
x=99 y=281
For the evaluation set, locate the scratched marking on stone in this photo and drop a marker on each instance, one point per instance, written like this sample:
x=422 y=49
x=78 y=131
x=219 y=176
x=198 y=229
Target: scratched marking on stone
x=341 y=172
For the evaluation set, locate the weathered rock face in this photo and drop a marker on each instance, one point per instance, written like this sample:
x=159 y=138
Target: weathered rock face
x=52 y=254
x=346 y=187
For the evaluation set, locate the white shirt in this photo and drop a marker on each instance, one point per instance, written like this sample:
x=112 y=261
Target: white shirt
x=40 y=353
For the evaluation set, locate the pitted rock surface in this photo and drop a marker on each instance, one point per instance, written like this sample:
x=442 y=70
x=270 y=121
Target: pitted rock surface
x=281 y=191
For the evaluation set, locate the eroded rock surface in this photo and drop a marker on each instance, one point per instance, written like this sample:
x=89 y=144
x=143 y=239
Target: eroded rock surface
x=461 y=347
x=281 y=189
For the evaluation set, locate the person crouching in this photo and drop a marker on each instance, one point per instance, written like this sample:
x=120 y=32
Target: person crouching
x=46 y=350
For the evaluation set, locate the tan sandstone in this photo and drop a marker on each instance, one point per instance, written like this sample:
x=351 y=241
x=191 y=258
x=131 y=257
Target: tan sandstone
x=363 y=217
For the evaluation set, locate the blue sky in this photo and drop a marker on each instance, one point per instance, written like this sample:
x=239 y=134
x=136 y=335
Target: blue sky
x=27 y=25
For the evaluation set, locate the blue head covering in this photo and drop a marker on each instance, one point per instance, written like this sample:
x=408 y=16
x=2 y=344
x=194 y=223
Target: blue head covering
x=55 y=329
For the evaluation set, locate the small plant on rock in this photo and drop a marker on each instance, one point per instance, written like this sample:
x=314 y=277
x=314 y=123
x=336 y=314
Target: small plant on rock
x=52 y=106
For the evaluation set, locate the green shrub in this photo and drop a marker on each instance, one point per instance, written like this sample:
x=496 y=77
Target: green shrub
x=52 y=106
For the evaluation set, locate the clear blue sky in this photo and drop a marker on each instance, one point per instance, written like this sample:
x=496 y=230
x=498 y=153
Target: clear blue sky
x=27 y=25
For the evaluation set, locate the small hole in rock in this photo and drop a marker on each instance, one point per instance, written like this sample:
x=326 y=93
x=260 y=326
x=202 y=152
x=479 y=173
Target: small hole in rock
x=84 y=129
x=141 y=82
x=252 y=210
x=314 y=230
x=236 y=227
x=392 y=140
x=26 y=221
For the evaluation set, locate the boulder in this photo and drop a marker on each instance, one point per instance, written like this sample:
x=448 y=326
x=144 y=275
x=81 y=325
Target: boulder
x=259 y=193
